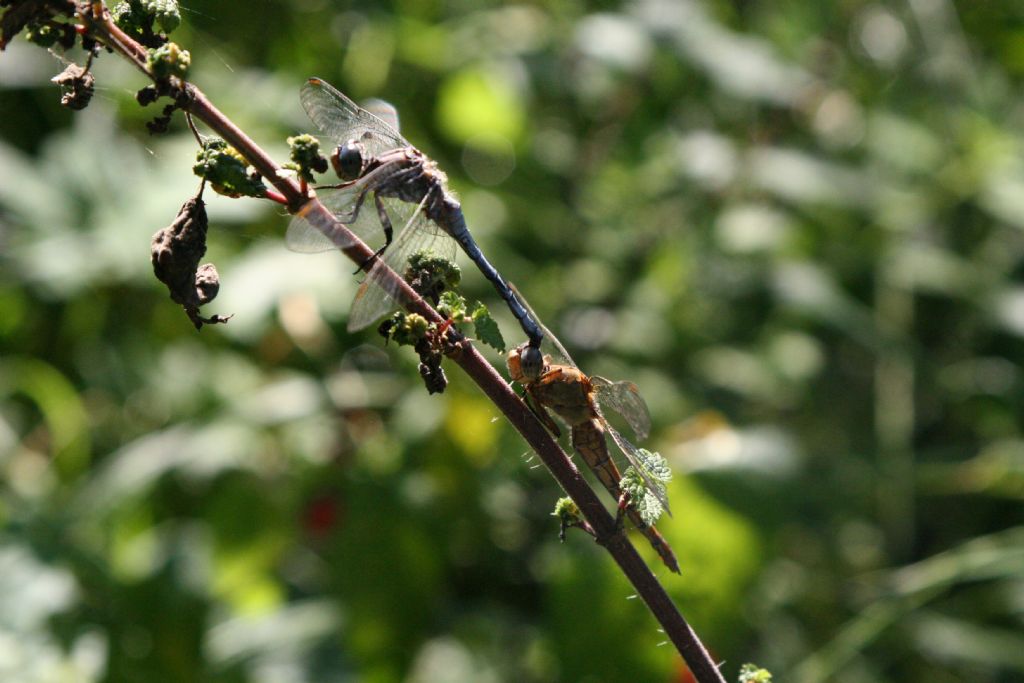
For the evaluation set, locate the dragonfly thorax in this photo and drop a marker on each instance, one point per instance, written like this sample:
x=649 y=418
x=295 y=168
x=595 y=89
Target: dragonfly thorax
x=349 y=160
x=568 y=392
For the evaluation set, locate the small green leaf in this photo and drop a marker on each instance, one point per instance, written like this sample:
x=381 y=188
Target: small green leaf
x=452 y=305
x=650 y=509
x=751 y=673
x=640 y=497
x=487 y=329
x=567 y=511
x=655 y=465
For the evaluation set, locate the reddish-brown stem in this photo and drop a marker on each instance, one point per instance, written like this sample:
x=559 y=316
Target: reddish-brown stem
x=601 y=524
x=276 y=196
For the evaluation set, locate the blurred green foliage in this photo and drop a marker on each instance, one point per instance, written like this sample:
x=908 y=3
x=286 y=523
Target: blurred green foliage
x=797 y=226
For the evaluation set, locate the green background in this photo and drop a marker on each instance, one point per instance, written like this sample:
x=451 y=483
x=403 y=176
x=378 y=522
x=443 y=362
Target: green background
x=796 y=225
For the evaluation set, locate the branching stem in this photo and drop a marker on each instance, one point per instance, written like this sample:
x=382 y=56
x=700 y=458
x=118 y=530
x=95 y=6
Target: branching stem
x=98 y=24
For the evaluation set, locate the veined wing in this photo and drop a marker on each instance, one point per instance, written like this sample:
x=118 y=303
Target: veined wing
x=309 y=231
x=625 y=399
x=385 y=111
x=638 y=461
x=376 y=297
x=551 y=345
x=341 y=119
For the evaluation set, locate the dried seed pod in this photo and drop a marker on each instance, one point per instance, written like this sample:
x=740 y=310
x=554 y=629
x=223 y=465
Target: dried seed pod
x=77 y=84
x=159 y=124
x=431 y=371
x=175 y=254
x=147 y=95
x=411 y=329
x=207 y=283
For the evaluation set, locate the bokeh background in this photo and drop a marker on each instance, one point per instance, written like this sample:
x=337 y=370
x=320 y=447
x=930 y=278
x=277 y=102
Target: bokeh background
x=796 y=225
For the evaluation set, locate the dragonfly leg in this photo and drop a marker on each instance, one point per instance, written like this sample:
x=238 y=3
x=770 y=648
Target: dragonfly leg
x=352 y=215
x=385 y=222
x=542 y=414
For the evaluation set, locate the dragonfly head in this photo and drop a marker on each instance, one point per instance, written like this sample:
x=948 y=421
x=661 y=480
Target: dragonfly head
x=525 y=363
x=349 y=160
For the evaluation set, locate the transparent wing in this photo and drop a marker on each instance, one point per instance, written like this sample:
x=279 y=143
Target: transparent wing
x=622 y=397
x=625 y=399
x=375 y=297
x=341 y=119
x=637 y=460
x=309 y=232
x=551 y=345
x=385 y=111
x=552 y=348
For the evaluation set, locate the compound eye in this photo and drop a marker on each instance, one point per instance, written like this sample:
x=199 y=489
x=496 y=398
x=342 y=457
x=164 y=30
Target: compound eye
x=348 y=160
x=531 y=362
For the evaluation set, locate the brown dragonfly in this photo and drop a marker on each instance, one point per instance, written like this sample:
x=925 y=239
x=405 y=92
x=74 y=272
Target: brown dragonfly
x=577 y=399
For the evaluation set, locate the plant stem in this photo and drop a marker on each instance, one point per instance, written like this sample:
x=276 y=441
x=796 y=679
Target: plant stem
x=608 y=534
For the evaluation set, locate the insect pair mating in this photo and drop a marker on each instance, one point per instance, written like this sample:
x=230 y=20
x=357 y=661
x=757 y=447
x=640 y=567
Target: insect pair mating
x=375 y=163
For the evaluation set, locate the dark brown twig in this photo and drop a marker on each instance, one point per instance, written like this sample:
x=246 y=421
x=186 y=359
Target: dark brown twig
x=607 y=533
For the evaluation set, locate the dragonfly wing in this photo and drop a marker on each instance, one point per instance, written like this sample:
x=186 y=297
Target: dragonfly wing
x=551 y=346
x=385 y=111
x=306 y=238
x=637 y=460
x=344 y=203
x=376 y=297
x=341 y=119
x=625 y=399
x=311 y=232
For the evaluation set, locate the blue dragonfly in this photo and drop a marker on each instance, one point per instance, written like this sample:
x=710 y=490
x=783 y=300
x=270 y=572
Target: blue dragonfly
x=407 y=190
